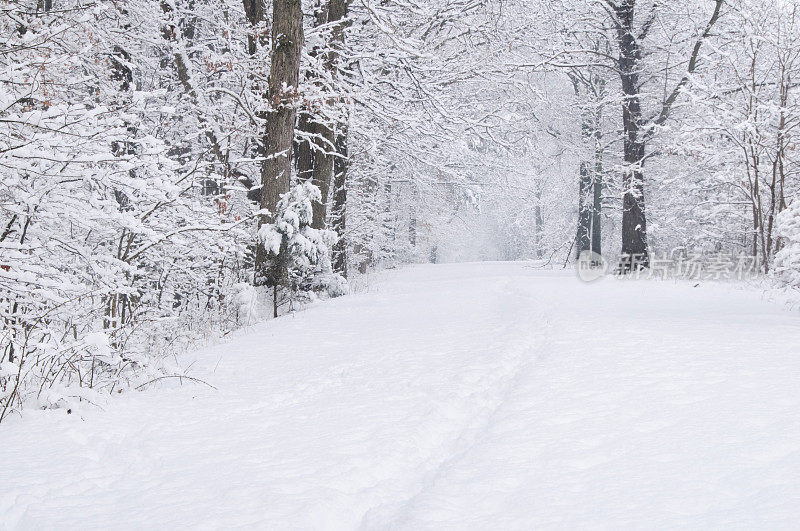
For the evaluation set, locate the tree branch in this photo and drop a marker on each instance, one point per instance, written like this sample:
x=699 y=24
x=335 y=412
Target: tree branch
x=670 y=101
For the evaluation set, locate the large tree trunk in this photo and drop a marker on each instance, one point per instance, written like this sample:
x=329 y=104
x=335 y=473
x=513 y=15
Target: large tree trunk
x=306 y=119
x=325 y=146
x=636 y=130
x=634 y=222
x=287 y=44
x=337 y=11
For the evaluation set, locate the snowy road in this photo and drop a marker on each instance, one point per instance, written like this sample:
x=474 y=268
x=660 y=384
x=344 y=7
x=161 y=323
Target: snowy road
x=476 y=396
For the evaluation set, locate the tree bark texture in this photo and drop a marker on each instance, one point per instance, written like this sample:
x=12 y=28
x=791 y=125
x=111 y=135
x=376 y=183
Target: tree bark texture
x=287 y=44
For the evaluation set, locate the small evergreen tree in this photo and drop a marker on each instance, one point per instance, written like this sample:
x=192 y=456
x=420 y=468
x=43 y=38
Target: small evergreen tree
x=787 y=260
x=299 y=253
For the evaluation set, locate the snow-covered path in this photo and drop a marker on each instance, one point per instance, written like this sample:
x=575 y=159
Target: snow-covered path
x=473 y=396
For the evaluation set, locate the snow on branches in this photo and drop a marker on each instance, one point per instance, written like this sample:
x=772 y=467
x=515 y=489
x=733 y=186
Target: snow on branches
x=299 y=251
x=787 y=260
x=113 y=243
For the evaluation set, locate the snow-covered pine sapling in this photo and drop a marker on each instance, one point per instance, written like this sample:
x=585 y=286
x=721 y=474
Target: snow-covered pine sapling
x=298 y=254
x=787 y=260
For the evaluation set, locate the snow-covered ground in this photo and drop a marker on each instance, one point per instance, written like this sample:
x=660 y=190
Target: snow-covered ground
x=472 y=396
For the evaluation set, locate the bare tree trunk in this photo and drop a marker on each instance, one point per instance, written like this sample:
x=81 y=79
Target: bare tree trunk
x=596 y=228
x=337 y=11
x=412 y=215
x=634 y=221
x=325 y=148
x=637 y=130
x=538 y=220
x=323 y=172
x=778 y=203
x=388 y=224
x=339 y=202
x=254 y=10
x=287 y=44
x=781 y=152
x=589 y=234
x=582 y=238
x=303 y=152
x=306 y=119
